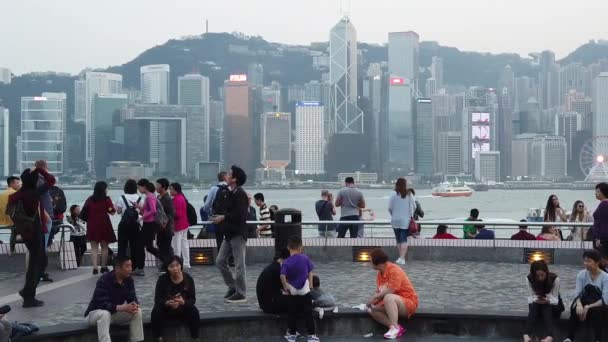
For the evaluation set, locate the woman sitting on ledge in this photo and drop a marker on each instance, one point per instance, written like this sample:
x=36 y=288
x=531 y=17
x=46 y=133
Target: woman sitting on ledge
x=543 y=300
x=395 y=296
x=174 y=298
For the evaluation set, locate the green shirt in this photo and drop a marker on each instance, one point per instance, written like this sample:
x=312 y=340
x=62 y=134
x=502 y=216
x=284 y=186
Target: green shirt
x=468 y=228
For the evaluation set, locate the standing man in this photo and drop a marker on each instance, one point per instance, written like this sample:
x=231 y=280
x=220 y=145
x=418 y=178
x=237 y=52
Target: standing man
x=264 y=230
x=164 y=237
x=469 y=230
x=14 y=184
x=234 y=227
x=115 y=302
x=208 y=207
x=45 y=182
x=350 y=200
x=325 y=212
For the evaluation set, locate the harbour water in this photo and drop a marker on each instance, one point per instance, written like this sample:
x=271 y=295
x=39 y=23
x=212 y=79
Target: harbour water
x=493 y=204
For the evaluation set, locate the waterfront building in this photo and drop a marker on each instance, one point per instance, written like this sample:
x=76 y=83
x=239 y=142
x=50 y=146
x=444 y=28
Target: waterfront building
x=310 y=138
x=125 y=170
x=276 y=140
x=42 y=131
x=359 y=177
x=567 y=125
x=549 y=157
x=521 y=155
x=450 y=152
x=400 y=128
x=487 y=166
x=105 y=116
x=424 y=136
x=154 y=84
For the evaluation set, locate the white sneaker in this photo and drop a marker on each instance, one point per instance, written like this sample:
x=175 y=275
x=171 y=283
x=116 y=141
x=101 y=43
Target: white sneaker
x=291 y=338
x=313 y=338
x=400 y=261
x=392 y=333
x=567 y=340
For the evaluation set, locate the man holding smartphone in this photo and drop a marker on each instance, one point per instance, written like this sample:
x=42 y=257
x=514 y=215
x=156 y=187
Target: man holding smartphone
x=115 y=302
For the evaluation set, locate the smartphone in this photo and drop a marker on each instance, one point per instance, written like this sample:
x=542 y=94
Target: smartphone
x=5 y=309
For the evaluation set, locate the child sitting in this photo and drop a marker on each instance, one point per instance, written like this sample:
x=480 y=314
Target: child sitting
x=321 y=300
x=296 y=277
x=78 y=232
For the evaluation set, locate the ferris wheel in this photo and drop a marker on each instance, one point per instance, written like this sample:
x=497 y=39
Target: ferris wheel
x=593 y=159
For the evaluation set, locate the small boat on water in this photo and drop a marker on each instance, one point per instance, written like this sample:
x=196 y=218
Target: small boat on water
x=452 y=190
x=535 y=215
x=481 y=187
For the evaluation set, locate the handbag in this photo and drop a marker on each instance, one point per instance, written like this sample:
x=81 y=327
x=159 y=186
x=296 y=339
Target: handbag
x=412 y=227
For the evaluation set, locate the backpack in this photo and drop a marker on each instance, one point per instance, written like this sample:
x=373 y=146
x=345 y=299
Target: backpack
x=221 y=200
x=130 y=215
x=24 y=223
x=161 y=217
x=191 y=213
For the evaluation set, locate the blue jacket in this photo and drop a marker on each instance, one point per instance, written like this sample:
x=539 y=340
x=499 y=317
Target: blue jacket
x=109 y=293
x=485 y=234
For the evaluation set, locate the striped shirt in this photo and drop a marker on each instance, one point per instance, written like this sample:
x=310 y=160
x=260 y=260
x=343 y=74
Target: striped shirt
x=265 y=216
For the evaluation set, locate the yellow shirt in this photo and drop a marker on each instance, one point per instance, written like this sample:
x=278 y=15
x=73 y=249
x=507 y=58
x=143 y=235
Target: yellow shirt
x=4 y=219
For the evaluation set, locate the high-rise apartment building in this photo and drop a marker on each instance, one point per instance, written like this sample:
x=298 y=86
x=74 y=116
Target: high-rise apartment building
x=154 y=83
x=276 y=140
x=549 y=158
x=450 y=153
x=346 y=116
x=238 y=125
x=310 y=138
x=600 y=105
x=487 y=166
x=42 y=131
x=424 y=136
x=5 y=76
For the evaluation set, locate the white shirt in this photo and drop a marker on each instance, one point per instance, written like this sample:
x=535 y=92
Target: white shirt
x=131 y=199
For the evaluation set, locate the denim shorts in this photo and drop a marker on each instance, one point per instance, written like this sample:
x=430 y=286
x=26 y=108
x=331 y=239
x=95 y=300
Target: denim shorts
x=401 y=235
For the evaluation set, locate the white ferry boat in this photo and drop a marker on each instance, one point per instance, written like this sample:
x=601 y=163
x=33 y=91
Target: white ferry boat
x=452 y=190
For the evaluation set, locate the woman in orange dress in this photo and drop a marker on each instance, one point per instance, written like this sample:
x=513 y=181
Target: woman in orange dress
x=395 y=296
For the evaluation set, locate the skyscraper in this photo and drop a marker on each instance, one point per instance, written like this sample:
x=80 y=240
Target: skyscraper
x=4 y=142
x=43 y=131
x=450 y=153
x=403 y=55
x=430 y=87
x=5 y=76
x=437 y=70
x=106 y=112
x=310 y=138
x=600 y=105
x=155 y=83
x=487 y=166
x=521 y=159
x=585 y=108
x=85 y=90
x=424 y=136
x=216 y=132
x=479 y=125
x=573 y=77
x=238 y=125
x=346 y=116
x=193 y=90
x=276 y=140
x=505 y=129
x=549 y=80
x=255 y=74
x=567 y=125
x=271 y=98
x=400 y=127
x=549 y=157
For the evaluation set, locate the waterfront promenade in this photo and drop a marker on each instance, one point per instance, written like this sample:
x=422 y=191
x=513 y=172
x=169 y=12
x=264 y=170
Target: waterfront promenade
x=442 y=287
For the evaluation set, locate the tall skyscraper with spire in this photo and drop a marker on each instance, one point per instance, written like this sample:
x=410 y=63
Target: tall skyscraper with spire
x=346 y=116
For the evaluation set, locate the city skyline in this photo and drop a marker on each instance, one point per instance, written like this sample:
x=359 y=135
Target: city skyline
x=468 y=31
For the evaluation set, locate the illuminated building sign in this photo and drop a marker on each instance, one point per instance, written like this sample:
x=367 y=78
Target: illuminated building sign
x=397 y=81
x=480 y=132
x=238 y=78
x=309 y=104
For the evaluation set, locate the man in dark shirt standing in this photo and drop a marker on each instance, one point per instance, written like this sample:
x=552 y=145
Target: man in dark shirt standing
x=115 y=302
x=325 y=211
x=164 y=236
x=233 y=225
x=523 y=233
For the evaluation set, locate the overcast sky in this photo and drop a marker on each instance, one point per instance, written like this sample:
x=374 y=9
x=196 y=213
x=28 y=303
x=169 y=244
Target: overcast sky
x=69 y=35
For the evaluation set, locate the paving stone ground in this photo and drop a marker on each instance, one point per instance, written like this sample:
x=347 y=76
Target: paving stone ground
x=440 y=286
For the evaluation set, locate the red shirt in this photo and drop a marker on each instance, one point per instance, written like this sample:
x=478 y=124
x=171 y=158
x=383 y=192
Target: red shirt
x=523 y=235
x=444 y=236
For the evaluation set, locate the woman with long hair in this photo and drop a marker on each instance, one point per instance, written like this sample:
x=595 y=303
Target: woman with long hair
x=401 y=207
x=175 y=298
x=548 y=234
x=78 y=232
x=554 y=213
x=180 y=242
x=543 y=299
x=95 y=213
x=579 y=214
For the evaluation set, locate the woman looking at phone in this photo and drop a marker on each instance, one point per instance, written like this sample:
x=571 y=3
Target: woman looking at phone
x=175 y=299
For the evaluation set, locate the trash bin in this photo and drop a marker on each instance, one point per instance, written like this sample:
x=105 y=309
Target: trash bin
x=288 y=222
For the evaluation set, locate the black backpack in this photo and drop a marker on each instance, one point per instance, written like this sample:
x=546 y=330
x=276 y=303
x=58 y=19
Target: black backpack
x=221 y=200
x=130 y=215
x=191 y=212
x=24 y=223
